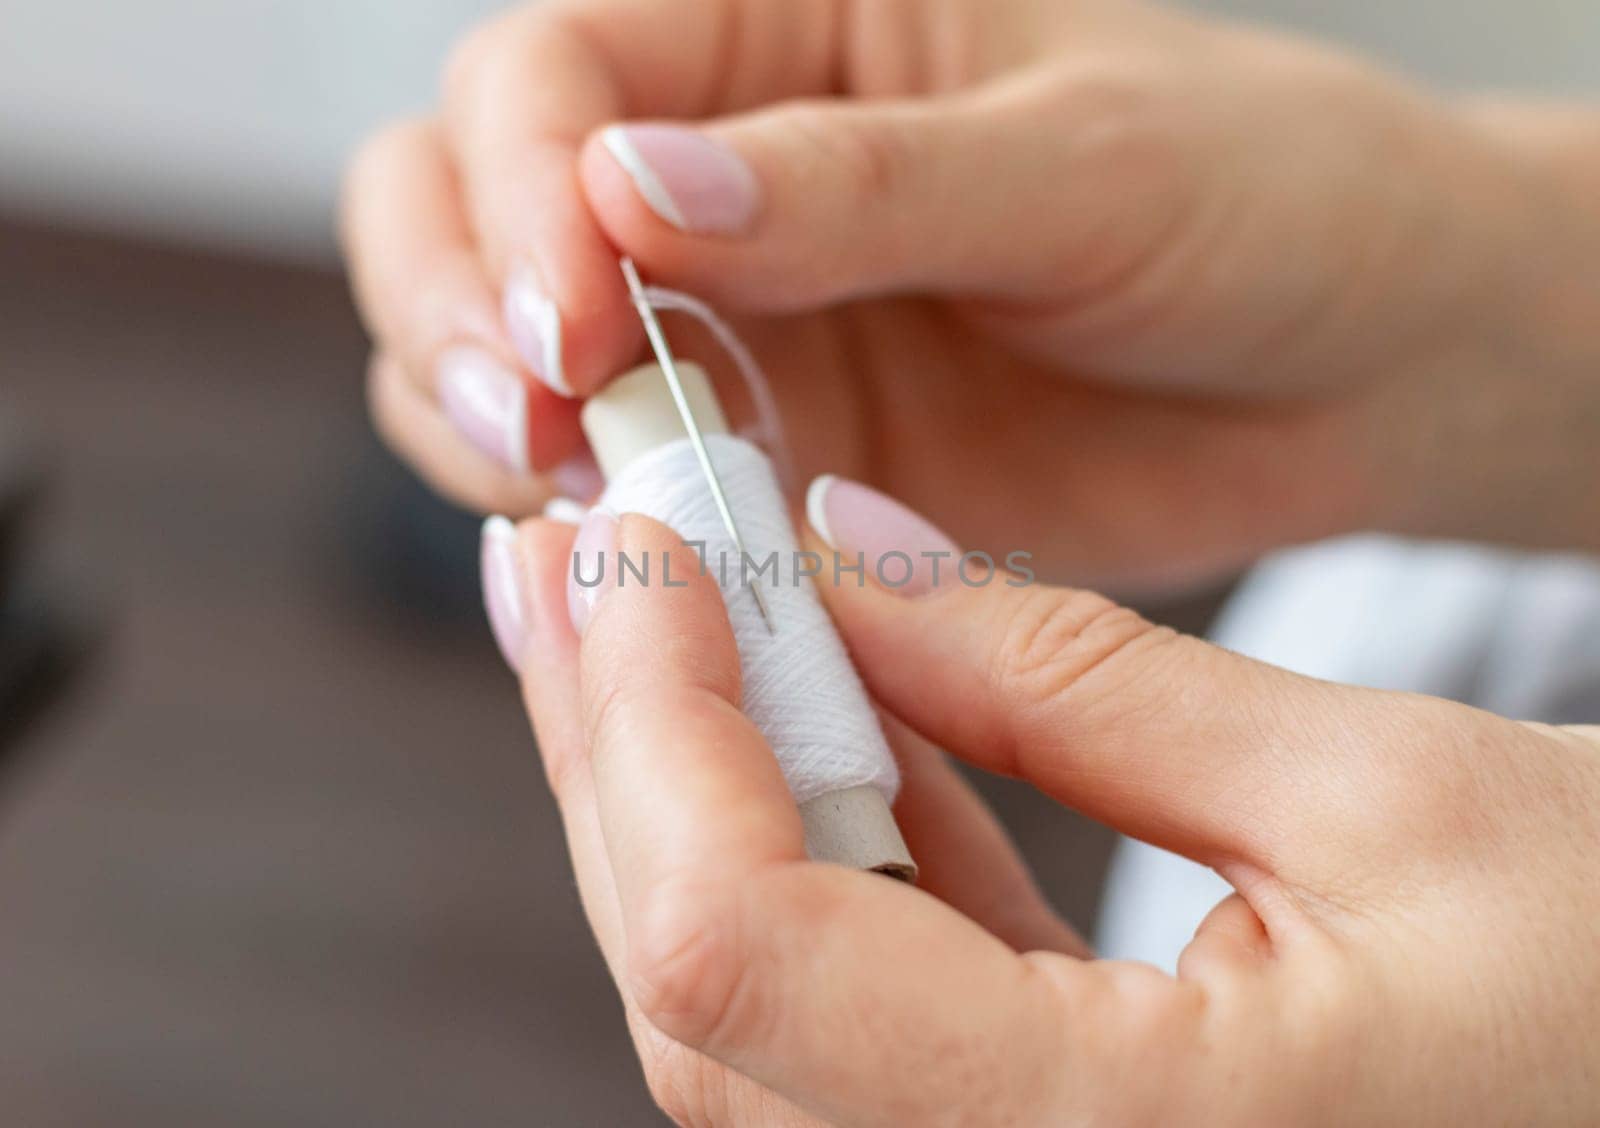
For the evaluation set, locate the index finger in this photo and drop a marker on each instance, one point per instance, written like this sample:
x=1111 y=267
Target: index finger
x=859 y=998
x=523 y=93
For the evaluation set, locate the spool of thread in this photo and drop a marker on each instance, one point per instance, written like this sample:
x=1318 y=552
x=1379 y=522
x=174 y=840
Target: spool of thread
x=799 y=686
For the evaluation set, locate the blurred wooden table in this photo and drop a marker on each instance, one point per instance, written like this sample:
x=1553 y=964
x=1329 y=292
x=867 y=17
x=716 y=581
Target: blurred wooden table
x=287 y=856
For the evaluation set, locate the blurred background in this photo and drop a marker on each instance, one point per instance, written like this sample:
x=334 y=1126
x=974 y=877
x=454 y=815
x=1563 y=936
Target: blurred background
x=274 y=845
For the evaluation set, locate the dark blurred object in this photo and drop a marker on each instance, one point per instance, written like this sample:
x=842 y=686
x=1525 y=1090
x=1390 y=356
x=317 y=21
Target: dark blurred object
x=408 y=549
x=41 y=654
x=21 y=485
x=40 y=647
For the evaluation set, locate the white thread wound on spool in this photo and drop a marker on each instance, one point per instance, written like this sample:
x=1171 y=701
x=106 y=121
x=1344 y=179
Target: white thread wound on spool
x=800 y=689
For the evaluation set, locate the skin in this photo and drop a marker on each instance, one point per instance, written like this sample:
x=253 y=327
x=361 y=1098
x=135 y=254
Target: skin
x=1206 y=291
x=1212 y=290
x=1411 y=940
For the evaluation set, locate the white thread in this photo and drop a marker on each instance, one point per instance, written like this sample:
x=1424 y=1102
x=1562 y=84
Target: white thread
x=799 y=686
x=767 y=431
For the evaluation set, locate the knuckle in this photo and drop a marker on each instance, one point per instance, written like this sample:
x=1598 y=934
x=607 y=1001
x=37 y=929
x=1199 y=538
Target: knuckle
x=1121 y=127
x=1050 y=639
x=867 y=158
x=509 y=40
x=386 y=159
x=1421 y=784
x=387 y=145
x=607 y=712
x=841 y=162
x=1111 y=86
x=625 y=704
x=467 y=58
x=681 y=1083
x=668 y=1096
x=684 y=965
x=629 y=702
x=1445 y=772
x=565 y=769
x=692 y=1089
x=493 y=61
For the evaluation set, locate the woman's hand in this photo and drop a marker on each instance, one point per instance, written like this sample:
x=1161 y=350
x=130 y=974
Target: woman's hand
x=1191 y=291
x=1412 y=940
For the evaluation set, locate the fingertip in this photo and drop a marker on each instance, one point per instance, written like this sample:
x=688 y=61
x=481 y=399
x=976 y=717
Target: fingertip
x=695 y=183
x=543 y=540
x=662 y=610
x=416 y=430
x=683 y=577
x=572 y=321
x=624 y=216
x=665 y=254
x=617 y=141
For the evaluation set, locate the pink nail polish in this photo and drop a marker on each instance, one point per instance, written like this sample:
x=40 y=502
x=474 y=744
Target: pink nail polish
x=594 y=566
x=899 y=549
x=534 y=324
x=690 y=181
x=487 y=402
x=502 y=589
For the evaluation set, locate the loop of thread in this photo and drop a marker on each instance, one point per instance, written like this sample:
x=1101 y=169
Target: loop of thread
x=767 y=431
x=800 y=688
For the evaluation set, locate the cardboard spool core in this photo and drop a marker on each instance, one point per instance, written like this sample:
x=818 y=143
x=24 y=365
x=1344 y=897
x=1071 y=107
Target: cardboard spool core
x=634 y=415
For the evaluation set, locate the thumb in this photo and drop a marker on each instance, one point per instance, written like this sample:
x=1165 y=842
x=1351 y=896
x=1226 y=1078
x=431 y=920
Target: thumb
x=811 y=203
x=1161 y=735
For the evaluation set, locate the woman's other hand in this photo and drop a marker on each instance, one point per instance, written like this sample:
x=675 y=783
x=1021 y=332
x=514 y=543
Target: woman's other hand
x=1412 y=939
x=1156 y=291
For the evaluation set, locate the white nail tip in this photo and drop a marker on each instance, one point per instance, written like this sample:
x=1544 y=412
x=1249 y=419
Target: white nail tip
x=517 y=429
x=528 y=305
x=500 y=530
x=565 y=511
x=816 y=508
x=550 y=331
x=620 y=146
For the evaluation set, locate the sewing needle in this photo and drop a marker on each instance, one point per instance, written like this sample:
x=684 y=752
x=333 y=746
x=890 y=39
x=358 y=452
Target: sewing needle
x=669 y=368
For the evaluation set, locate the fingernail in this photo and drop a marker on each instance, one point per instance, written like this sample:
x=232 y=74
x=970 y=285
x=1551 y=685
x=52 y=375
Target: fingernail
x=488 y=404
x=579 y=477
x=565 y=511
x=534 y=324
x=594 y=565
x=901 y=550
x=502 y=589
x=690 y=181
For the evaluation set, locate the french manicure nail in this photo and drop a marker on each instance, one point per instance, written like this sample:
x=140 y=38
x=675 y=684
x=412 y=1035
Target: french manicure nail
x=903 y=551
x=534 y=325
x=487 y=402
x=594 y=565
x=690 y=181
x=502 y=589
x=565 y=511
